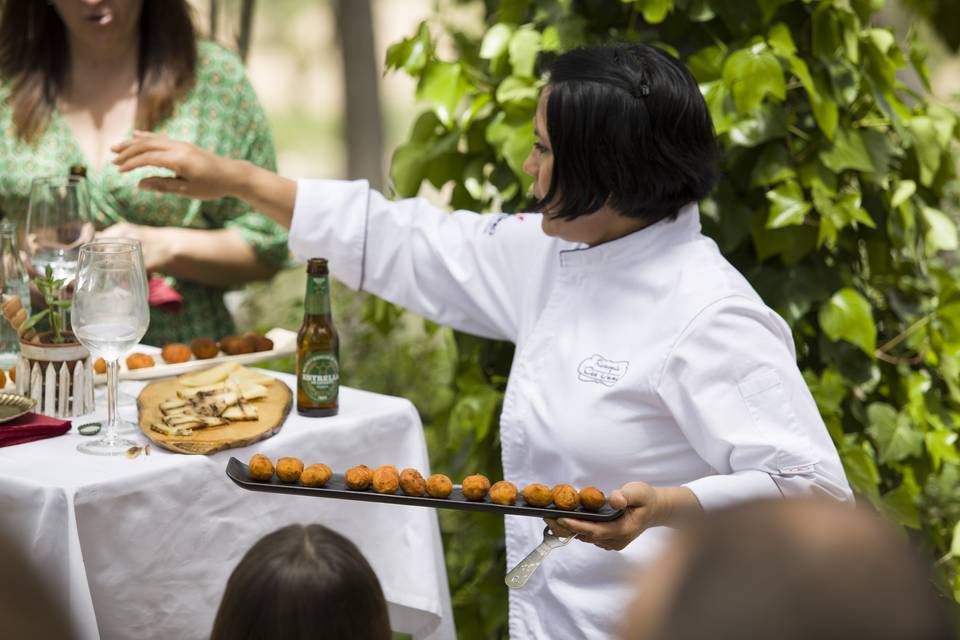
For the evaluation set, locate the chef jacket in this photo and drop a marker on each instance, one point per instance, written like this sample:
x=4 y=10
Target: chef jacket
x=644 y=358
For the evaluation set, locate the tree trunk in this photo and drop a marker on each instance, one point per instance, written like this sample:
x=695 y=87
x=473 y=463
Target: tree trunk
x=214 y=17
x=246 y=28
x=363 y=125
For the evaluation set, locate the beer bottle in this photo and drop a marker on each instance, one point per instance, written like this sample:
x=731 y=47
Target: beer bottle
x=318 y=347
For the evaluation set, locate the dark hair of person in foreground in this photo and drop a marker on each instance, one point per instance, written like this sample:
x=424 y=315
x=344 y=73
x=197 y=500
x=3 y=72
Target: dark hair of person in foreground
x=790 y=570
x=34 y=60
x=299 y=583
x=628 y=128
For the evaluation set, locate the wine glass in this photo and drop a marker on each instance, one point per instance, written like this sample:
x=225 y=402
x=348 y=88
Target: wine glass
x=110 y=315
x=58 y=223
x=124 y=399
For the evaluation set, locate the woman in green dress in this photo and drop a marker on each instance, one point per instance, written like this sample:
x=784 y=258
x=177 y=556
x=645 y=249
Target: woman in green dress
x=77 y=77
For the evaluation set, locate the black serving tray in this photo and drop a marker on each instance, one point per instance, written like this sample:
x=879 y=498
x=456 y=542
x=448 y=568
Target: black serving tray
x=336 y=488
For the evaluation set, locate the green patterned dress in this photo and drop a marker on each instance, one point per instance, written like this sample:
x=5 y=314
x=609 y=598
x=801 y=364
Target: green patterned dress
x=221 y=114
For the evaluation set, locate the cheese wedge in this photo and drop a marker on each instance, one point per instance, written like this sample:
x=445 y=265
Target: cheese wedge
x=248 y=390
x=217 y=374
x=240 y=412
x=244 y=374
x=159 y=427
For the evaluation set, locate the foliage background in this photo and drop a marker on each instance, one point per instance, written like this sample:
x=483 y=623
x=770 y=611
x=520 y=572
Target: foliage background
x=838 y=201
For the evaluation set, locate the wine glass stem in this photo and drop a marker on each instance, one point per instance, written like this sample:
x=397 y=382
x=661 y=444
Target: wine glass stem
x=113 y=380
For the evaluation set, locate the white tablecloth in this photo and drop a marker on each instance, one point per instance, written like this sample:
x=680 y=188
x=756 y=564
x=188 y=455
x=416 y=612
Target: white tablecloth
x=142 y=548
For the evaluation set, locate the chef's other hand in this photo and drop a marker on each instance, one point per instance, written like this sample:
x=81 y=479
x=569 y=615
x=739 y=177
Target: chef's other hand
x=200 y=174
x=644 y=506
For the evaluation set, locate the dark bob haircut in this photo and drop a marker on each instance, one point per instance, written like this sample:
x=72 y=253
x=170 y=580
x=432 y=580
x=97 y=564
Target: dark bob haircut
x=629 y=129
x=300 y=583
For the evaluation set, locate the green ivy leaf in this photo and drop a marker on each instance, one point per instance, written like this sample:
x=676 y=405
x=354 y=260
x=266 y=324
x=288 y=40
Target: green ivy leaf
x=752 y=74
x=517 y=94
x=941 y=232
x=654 y=11
x=860 y=468
x=788 y=206
x=495 y=41
x=767 y=123
x=955 y=544
x=905 y=189
x=848 y=151
x=895 y=437
x=847 y=316
x=940 y=446
x=524 y=48
x=443 y=86
x=900 y=505
x=781 y=41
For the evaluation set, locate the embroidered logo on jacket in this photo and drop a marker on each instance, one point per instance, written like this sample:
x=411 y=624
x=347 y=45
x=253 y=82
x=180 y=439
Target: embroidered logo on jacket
x=598 y=369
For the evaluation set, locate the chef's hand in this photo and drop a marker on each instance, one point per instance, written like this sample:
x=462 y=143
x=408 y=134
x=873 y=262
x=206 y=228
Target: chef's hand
x=158 y=243
x=644 y=506
x=199 y=174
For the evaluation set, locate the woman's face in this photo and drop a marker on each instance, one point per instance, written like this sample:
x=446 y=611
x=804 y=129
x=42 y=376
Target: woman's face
x=601 y=226
x=100 y=23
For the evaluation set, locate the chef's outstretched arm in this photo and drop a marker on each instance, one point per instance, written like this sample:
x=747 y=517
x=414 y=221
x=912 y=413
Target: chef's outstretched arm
x=468 y=271
x=205 y=176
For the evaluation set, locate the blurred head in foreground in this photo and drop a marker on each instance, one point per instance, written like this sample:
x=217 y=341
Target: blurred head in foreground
x=302 y=582
x=790 y=570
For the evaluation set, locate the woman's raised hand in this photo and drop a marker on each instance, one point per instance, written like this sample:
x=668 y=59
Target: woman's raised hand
x=199 y=174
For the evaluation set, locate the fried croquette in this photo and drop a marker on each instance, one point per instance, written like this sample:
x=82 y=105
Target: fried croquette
x=475 y=487
x=439 y=486
x=565 y=497
x=537 y=495
x=236 y=345
x=260 y=467
x=175 y=352
x=359 y=477
x=412 y=483
x=259 y=343
x=503 y=492
x=3 y=378
x=289 y=469
x=592 y=499
x=100 y=366
x=386 y=479
x=204 y=348
x=316 y=475
x=13 y=374
x=139 y=361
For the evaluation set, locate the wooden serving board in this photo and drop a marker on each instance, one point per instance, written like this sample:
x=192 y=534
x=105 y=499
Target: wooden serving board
x=272 y=410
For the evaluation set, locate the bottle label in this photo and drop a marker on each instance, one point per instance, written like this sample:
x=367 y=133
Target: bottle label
x=317 y=301
x=320 y=377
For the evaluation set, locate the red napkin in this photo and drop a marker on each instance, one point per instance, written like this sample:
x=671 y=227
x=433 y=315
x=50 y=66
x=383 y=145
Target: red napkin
x=161 y=294
x=30 y=427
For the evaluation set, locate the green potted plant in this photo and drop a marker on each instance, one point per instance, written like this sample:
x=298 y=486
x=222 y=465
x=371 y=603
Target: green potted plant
x=54 y=368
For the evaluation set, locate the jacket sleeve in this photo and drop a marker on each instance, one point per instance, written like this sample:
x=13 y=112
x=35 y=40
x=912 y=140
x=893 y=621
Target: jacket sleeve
x=733 y=386
x=460 y=269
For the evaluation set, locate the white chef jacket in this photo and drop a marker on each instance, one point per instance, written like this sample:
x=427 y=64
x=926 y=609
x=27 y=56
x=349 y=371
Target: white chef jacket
x=645 y=358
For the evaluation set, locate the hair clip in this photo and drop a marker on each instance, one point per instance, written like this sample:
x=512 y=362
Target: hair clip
x=644 y=90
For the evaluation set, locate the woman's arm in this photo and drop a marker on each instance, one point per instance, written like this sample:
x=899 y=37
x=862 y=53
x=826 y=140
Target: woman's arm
x=205 y=176
x=215 y=257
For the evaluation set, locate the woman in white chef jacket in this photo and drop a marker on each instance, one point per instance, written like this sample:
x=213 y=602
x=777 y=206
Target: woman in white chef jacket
x=644 y=360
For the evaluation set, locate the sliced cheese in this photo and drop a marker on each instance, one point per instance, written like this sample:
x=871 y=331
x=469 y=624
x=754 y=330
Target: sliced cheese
x=159 y=427
x=217 y=374
x=244 y=374
x=247 y=389
x=240 y=412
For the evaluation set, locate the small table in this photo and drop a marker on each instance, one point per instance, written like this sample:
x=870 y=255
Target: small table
x=143 y=547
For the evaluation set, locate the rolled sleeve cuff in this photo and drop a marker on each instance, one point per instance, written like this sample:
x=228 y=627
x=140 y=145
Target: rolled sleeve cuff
x=330 y=221
x=716 y=492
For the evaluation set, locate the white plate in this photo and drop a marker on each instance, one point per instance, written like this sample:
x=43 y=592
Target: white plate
x=284 y=344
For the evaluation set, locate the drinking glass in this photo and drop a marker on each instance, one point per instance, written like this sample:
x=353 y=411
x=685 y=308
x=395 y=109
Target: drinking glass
x=58 y=223
x=110 y=315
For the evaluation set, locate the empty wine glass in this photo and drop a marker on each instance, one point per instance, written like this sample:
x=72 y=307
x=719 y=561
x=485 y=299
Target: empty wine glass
x=58 y=223
x=110 y=315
